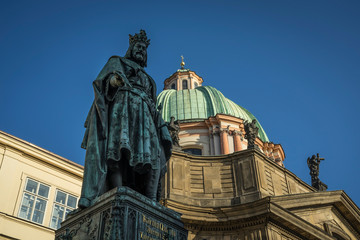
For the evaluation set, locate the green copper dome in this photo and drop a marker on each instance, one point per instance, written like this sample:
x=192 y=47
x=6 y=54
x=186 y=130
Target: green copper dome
x=201 y=103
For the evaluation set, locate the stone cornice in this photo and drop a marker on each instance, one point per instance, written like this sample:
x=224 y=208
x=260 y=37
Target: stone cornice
x=240 y=216
x=338 y=199
x=241 y=154
x=295 y=224
x=25 y=148
x=39 y=227
x=192 y=125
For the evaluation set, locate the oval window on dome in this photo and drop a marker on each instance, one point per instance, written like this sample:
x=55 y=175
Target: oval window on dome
x=194 y=151
x=185 y=84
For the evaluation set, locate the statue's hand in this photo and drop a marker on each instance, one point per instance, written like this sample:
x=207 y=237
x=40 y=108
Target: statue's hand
x=116 y=81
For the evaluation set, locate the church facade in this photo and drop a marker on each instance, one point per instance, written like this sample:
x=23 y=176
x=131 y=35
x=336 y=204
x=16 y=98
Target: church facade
x=222 y=189
x=225 y=190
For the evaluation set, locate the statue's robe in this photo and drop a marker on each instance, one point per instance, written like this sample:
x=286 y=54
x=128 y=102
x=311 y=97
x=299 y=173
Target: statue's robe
x=123 y=124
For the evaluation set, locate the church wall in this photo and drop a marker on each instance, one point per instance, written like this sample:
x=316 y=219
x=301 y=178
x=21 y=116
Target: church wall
x=223 y=180
x=276 y=181
x=197 y=138
x=224 y=135
x=244 y=144
x=195 y=182
x=275 y=232
x=329 y=219
x=217 y=145
x=231 y=143
x=264 y=231
x=252 y=233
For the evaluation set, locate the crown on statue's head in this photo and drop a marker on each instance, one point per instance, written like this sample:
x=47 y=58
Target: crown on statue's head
x=139 y=37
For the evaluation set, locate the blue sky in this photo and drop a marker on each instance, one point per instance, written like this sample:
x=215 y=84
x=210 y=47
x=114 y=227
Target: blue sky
x=293 y=64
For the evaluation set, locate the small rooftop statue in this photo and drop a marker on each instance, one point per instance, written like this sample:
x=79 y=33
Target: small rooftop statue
x=174 y=130
x=126 y=139
x=251 y=132
x=313 y=164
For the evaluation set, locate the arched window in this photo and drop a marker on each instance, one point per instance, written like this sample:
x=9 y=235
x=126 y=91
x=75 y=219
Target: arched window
x=194 y=151
x=185 y=84
x=173 y=86
x=196 y=84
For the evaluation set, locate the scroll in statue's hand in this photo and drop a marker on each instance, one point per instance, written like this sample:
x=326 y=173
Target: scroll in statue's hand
x=116 y=81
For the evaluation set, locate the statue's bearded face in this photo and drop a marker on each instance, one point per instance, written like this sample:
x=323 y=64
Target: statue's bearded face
x=139 y=53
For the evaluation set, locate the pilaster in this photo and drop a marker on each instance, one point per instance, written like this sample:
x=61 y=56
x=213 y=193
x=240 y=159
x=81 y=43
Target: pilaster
x=224 y=141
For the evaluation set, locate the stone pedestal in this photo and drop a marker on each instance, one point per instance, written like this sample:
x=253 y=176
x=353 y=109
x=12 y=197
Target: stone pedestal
x=253 y=147
x=123 y=214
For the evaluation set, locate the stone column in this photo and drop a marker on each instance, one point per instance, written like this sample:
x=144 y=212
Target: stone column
x=216 y=140
x=237 y=140
x=224 y=141
x=212 y=145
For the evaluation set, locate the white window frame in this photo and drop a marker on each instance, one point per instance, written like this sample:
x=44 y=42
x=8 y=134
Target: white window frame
x=36 y=197
x=65 y=206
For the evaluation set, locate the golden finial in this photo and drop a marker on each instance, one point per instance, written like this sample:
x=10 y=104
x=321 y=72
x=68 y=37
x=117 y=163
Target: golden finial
x=182 y=64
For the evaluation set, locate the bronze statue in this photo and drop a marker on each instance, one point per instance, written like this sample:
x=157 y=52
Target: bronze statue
x=126 y=140
x=251 y=132
x=174 y=130
x=313 y=164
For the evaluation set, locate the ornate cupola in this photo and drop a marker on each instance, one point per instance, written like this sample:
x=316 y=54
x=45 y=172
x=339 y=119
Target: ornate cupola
x=183 y=79
x=210 y=123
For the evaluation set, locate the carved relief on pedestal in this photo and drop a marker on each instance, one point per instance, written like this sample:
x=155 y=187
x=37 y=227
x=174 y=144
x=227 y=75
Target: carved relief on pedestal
x=86 y=228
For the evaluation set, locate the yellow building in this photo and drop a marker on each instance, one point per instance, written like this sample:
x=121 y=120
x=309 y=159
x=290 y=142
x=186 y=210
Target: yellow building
x=223 y=190
x=37 y=189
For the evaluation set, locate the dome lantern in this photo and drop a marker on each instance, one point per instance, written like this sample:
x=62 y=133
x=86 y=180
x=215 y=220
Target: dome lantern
x=183 y=79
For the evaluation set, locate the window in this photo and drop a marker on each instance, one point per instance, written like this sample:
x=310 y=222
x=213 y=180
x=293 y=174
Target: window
x=173 y=86
x=194 y=151
x=196 y=84
x=64 y=203
x=185 y=84
x=34 y=201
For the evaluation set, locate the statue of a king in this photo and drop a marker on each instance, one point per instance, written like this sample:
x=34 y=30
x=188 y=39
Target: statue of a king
x=127 y=142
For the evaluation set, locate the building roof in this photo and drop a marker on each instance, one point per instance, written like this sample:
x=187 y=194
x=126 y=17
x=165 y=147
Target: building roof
x=201 y=103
